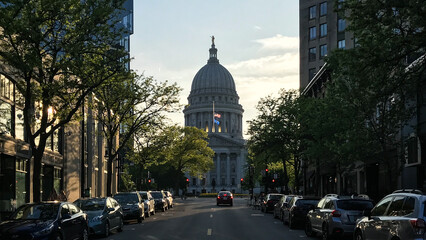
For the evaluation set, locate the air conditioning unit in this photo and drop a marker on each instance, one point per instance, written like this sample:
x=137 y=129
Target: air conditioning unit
x=412 y=151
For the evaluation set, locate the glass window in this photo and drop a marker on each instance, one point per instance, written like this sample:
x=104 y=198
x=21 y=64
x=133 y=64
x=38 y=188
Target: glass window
x=341 y=25
x=380 y=208
x=323 y=30
x=19 y=124
x=329 y=204
x=6 y=87
x=311 y=73
x=323 y=50
x=312 y=33
x=341 y=44
x=408 y=206
x=5 y=118
x=323 y=8
x=73 y=209
x=312 y=54
x=321 y=202
x=312 y=12
x=396 y=206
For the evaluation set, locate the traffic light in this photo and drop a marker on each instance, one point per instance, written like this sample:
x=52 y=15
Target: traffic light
x=242 y=179
x=187 y=180
x=273 y=180
x=266 y=170
x=149 y=180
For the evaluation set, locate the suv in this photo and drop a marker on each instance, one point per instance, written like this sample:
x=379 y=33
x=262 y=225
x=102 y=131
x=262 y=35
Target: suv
x=269 y=202
x=400 y=215
x=160 y=200
x=132 y=205
x=336 y=215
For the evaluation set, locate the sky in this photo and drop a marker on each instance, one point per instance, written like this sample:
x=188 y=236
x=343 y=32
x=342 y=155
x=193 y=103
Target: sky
x=257 y=41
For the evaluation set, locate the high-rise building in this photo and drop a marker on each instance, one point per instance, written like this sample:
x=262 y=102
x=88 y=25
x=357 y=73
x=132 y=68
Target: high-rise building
x=213 y=105
x=321 y=30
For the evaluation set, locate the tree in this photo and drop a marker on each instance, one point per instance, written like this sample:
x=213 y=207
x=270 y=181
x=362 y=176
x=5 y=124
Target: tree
x=376 y=79
x=188 y=152
x=130 y=104
x=56 y=53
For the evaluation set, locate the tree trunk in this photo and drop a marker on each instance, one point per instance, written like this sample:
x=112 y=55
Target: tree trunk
x=109 y=168
x=37 y=158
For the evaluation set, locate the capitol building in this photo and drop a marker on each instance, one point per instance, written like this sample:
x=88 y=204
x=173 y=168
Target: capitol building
x=213 y=105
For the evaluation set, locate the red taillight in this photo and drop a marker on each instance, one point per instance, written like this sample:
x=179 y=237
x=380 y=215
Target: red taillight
x=232 y=197
x=335 y=213
x=218 y=197
x=418 y=225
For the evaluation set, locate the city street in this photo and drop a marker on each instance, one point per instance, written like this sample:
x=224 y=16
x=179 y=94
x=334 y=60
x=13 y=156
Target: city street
x=200 y=218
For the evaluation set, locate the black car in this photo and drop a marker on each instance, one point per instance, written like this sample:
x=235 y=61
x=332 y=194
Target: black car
x=160 y=200
x=225 y=197
x=46 y=220
x=297 y=208
x=269 y=202
x=132 y=205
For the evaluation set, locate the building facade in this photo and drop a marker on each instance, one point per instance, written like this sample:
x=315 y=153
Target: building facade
x=213 y=105
x=74 y=160
x=321 y=31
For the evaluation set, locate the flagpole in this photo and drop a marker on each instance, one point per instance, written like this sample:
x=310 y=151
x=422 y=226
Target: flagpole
x=213 y=118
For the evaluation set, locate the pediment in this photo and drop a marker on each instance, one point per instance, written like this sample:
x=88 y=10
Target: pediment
x=224 y=141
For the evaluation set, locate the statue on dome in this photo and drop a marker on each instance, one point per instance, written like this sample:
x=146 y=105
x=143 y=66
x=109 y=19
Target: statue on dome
x=212 y=40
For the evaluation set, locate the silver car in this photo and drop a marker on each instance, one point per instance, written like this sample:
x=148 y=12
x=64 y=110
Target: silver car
x=104 y=214
x=335 y=216
x=169 y=198
x=400 y=215
x=149 y=203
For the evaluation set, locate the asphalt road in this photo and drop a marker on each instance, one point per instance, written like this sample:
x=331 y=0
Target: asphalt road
x=200 y=218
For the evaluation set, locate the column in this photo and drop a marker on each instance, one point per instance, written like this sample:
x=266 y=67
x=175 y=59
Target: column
x=218 y=170
x=228 y=169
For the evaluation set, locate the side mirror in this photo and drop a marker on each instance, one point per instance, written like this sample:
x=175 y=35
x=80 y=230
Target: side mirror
x=66 y=216
x=110 y=209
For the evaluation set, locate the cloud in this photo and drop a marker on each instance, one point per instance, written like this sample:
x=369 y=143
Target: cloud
x=257 y=28
x=268 y=66
x=279 y=42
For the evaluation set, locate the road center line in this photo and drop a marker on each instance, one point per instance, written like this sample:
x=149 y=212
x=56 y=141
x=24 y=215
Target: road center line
x=209 y=232
x=211 y=215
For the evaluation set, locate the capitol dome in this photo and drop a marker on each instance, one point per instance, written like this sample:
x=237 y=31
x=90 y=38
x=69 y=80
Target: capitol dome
x=213 y=77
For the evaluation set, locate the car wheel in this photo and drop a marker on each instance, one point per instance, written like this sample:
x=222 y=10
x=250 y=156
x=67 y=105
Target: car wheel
x=325 y=233
x=275 y=215
x=153 y=211
x=164 y=209
x=120 y=225
x=148 y=213
x=308 y=229
x=171 y=206
x=143 y=215
x=358 y=235
x=85 y=234
x=106 y=233
x=217 y=204
x=232 y=204
x=58 y=236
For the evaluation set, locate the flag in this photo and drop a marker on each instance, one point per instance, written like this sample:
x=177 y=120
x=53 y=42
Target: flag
x=217 y=122
x=217 y=115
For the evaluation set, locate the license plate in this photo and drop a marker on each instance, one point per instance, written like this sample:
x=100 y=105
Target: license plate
x=224 y=198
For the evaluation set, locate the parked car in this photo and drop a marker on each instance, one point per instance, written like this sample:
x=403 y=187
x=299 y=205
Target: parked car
x=296 y=210
x=104 y=214
x=270 y=200
x=46 y=220
x=225 y=197
x=160 y=200
x=169 y=199
x=149 y=203
x=400 y=215
x=132 y=205
x=284 y=205
x=277 y=207
x=335 y=215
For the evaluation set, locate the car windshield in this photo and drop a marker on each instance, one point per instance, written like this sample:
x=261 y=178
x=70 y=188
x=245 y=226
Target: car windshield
x=157 y=194
x=91 y=204
x=126 y=198
x=37 y=212
x=306 y=202
x=288 y=199
x=354 y=205
x=275 y=197
x=144 y=195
